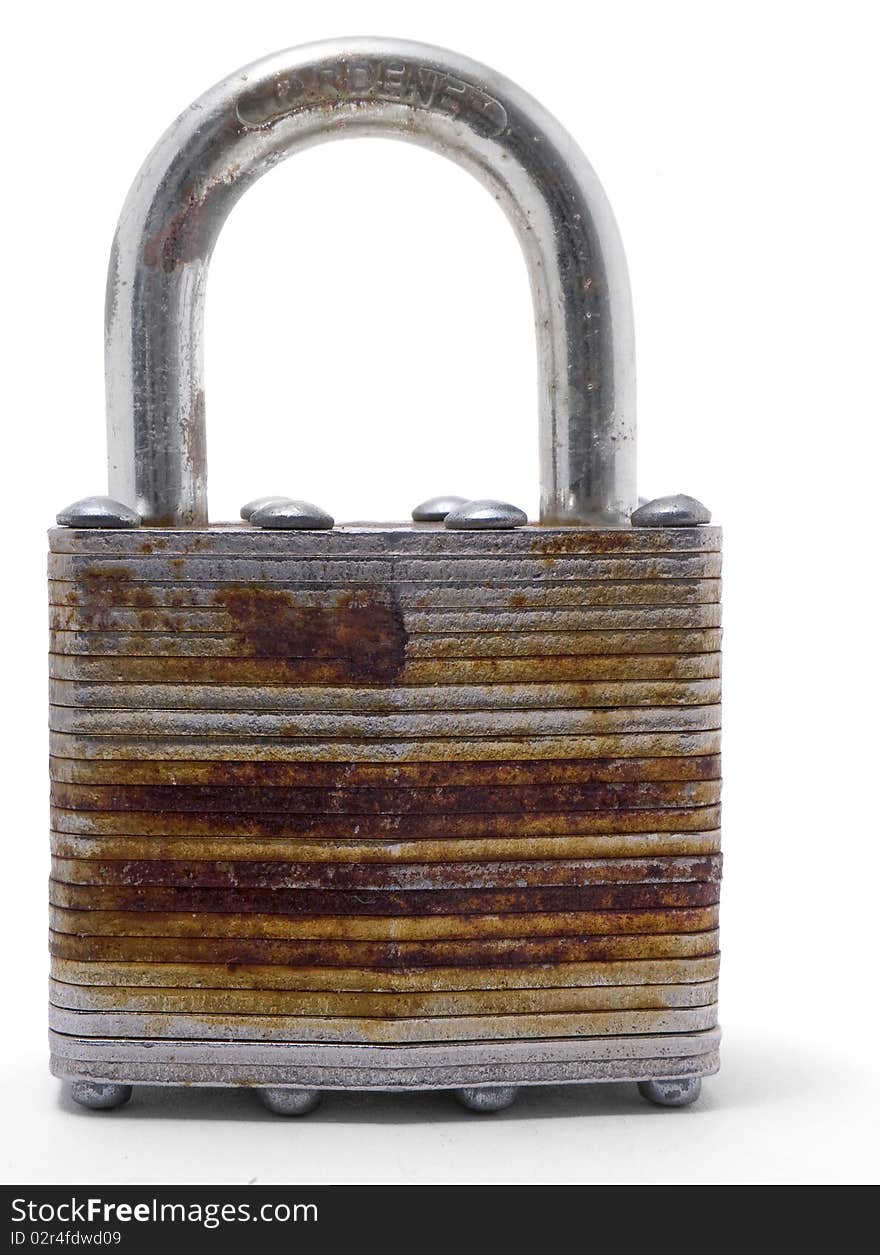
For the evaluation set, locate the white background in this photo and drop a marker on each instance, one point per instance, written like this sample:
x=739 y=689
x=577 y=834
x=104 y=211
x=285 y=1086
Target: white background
x=370 y=343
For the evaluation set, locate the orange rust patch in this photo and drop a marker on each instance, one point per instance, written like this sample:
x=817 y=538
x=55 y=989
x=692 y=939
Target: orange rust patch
x=574 y=542
x=361 y=633
x=99 y=593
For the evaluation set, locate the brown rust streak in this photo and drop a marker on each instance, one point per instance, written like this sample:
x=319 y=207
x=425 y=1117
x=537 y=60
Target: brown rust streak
x=98 y=591
x=392 y=956
x=335 y=928
x=387 y=775
x=483 y=799
x=674 y=971
x=274 y=873
x=418 y=902
x=689 y=591
x=579 y=543
x=335 y=776
x=401 y=827
x=556 y=669
x=455 y=851
x=315 y=634
x=384 y=1004
x=362 y=635
x=190 y=234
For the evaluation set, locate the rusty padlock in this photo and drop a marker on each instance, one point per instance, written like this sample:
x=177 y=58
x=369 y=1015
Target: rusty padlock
x=423 y=806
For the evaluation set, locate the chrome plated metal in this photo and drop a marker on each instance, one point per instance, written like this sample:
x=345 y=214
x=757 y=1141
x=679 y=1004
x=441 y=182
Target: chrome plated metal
x=487 y=1099
x=485 y=515
x=99 y=1096
x=327 y=1067
x=292 y=516
x=361 y=539
x=676 y=1054
x=677 y=511
x=191 y=1071
x=678 y=1091
x=97 y=512
x=366 y=86
x=260 y=503
x=435 y=509
x=290 y=1102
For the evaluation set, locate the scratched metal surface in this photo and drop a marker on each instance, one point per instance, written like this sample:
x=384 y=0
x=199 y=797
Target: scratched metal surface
x=424 y=1066
x=384 y=786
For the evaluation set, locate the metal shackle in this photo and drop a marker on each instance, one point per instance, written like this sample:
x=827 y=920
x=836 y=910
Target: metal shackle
x=261 y=114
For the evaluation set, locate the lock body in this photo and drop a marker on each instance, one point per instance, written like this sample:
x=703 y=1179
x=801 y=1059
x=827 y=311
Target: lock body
x=384 y=807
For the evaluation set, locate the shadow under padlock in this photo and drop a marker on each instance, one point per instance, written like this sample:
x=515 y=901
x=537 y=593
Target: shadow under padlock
x=422 y=806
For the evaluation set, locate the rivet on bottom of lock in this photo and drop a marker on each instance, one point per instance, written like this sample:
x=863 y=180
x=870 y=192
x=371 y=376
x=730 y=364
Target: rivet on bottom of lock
x=98 y=512
x=485 y=515
x=677 y=511
x=435 y=509
x=292 y=516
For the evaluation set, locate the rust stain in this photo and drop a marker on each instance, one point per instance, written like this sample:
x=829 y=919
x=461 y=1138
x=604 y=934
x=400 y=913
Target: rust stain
x=335 y=775
x=274 y=874
x=383 y=1004
x=190 y=234
x=557 y=669
x=362 y=634
x=336 y=800
x=576 y=542
x=419 y=902
x=99 y=591
x=389 y=956
x=325 y=906
x=265 y=824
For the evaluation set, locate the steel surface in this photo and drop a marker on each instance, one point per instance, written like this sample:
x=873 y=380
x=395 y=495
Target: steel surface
x=452 y=105
x=432 y=1056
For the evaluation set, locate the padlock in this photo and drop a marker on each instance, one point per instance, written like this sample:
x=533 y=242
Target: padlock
x=413 y=806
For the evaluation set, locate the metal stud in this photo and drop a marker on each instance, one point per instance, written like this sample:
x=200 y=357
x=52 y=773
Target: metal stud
x=260 y=503
x=290 y=1102
x=290 y=515
x=678 y=1092
x=487 y=1099
x=677 y=511
x=435 y=509
x=98 y=1096
x=98 y=512
x=485 y=515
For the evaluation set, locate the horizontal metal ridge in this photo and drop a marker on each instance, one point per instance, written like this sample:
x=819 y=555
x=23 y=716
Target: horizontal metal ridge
x=381 y=539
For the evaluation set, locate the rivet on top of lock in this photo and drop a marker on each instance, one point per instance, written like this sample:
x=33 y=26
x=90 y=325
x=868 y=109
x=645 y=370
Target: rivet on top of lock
x=455 y=106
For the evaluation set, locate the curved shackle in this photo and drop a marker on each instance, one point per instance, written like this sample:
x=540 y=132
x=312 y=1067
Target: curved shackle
x=266 y=111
